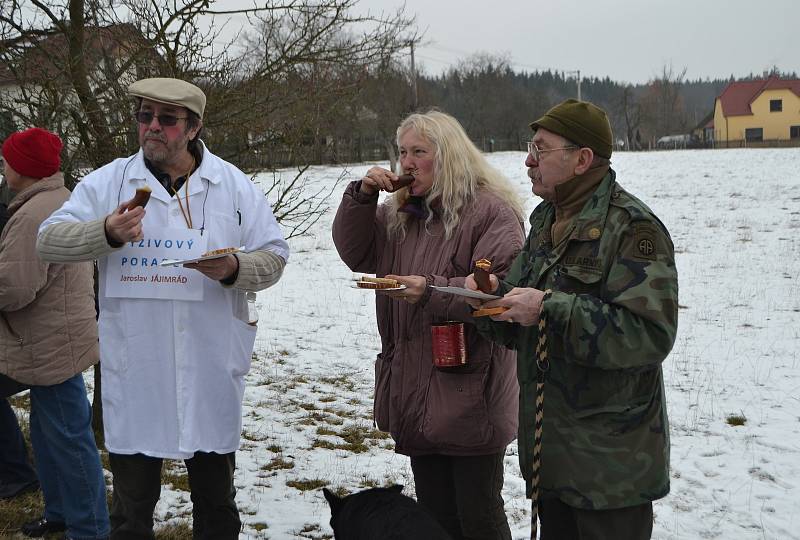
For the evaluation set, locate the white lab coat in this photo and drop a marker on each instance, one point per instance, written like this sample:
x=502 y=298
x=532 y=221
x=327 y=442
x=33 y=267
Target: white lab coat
x=173 y=371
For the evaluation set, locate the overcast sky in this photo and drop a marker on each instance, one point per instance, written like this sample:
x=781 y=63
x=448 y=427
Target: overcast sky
x=627 y=40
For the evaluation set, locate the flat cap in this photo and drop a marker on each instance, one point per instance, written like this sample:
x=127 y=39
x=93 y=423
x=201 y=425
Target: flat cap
x=171 y=92
x=581 y=122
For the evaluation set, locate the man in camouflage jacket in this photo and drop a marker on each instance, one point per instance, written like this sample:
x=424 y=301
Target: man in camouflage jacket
x=599 y=268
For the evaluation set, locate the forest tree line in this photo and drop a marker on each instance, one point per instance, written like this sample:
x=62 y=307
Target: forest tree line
x=304 y=82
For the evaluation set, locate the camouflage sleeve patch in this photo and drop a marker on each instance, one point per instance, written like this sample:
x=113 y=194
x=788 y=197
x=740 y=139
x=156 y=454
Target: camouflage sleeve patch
x=645 y=241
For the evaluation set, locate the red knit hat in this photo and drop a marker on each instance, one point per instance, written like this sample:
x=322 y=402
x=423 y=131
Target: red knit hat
x=35 y=152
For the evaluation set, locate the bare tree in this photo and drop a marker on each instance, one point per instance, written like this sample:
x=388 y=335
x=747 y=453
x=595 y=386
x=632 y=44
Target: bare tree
x=386 y=98
x=662 y=106
x=66 y=65
x=630 y=112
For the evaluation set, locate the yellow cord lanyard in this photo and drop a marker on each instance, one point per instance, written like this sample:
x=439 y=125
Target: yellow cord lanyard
x=187 y=214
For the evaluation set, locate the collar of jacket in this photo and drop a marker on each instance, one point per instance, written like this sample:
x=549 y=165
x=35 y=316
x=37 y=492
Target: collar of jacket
x=571 y=196
x=415 y=205
x=136 y=173
x=45 y=184
x=589 y=224
x=591 y=217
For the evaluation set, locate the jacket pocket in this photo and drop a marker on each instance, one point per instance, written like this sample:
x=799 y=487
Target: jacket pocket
x=617 y=419
x=243 y=337
x=578 y=279
x=380 y=407
x=632 y=408
x=224 y=232
x=455 y=409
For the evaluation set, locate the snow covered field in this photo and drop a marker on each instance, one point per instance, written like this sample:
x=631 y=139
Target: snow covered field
x=734 y=216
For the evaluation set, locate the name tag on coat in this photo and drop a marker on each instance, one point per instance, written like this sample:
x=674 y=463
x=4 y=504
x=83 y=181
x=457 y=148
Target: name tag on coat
x=133 y=271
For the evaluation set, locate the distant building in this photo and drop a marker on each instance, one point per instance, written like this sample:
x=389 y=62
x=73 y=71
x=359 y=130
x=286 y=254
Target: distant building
x=703 y=132
x=37 y=87
x=674 y=141
x=764 y=112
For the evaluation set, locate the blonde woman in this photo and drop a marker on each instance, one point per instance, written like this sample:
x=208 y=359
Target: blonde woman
x=456 y=423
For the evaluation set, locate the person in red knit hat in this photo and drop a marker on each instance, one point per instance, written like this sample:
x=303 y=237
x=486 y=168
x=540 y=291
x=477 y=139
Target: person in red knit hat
x=48 y=337
x=34 y=153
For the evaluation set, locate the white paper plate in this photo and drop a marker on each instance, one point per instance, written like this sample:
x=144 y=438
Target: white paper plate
x=460 y=291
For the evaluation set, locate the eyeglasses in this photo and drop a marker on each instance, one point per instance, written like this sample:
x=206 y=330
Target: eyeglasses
x=537 y=152
x=167 y=120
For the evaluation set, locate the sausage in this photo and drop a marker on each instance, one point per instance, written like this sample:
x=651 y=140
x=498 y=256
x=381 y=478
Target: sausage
x=401 y=182
x=481 y=273
x=141 y=197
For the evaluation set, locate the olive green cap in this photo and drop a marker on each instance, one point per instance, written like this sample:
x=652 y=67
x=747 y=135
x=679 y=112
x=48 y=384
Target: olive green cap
x=581 y=122
x=171 y=92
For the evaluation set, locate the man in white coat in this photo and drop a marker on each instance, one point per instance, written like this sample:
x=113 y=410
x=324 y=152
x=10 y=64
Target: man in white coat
x=175 y=340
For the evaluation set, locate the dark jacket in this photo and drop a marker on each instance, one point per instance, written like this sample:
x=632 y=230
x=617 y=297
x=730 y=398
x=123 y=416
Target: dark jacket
x=611 y=321
x=469 y=410
x=5 y=197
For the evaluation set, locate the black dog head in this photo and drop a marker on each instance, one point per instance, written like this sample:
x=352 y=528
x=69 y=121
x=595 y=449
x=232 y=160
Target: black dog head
x=338 y=504
x=381 y=514
x=350 y=515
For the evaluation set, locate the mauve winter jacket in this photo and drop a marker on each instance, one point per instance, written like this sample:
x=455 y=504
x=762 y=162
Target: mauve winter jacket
x=467 y=410
x=48 y=331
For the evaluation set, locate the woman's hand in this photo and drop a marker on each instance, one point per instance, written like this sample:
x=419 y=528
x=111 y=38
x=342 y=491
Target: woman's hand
x=415 y=288
x=377 y=179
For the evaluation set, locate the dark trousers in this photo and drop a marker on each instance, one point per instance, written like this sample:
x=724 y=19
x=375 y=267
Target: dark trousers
x=16 y=473
x=463 y=493
x=137 y=487
x=560 y=521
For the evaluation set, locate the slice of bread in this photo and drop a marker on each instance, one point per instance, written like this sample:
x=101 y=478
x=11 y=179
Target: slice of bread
x=373 y=285
x=367 y=282
x=483 y=312
x=220 y=251
x=389 y=281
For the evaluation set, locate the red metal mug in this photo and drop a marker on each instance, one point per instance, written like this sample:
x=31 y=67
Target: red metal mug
x=449 y=345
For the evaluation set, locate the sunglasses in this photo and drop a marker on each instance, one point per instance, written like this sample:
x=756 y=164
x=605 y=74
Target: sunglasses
x=166 y=120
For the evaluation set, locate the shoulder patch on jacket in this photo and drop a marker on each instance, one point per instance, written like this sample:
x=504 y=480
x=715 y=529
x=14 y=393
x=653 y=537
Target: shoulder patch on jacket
x=645 y=239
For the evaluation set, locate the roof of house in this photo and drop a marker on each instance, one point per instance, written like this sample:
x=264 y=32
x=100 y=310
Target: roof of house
x=707 y=121
x=45 y=57
x=737 y=97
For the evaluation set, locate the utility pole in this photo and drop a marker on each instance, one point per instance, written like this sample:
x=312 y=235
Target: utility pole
x=577 y=73
x=413 y=80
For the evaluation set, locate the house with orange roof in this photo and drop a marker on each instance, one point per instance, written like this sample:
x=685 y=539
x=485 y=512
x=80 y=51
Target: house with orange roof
x=763 y=112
